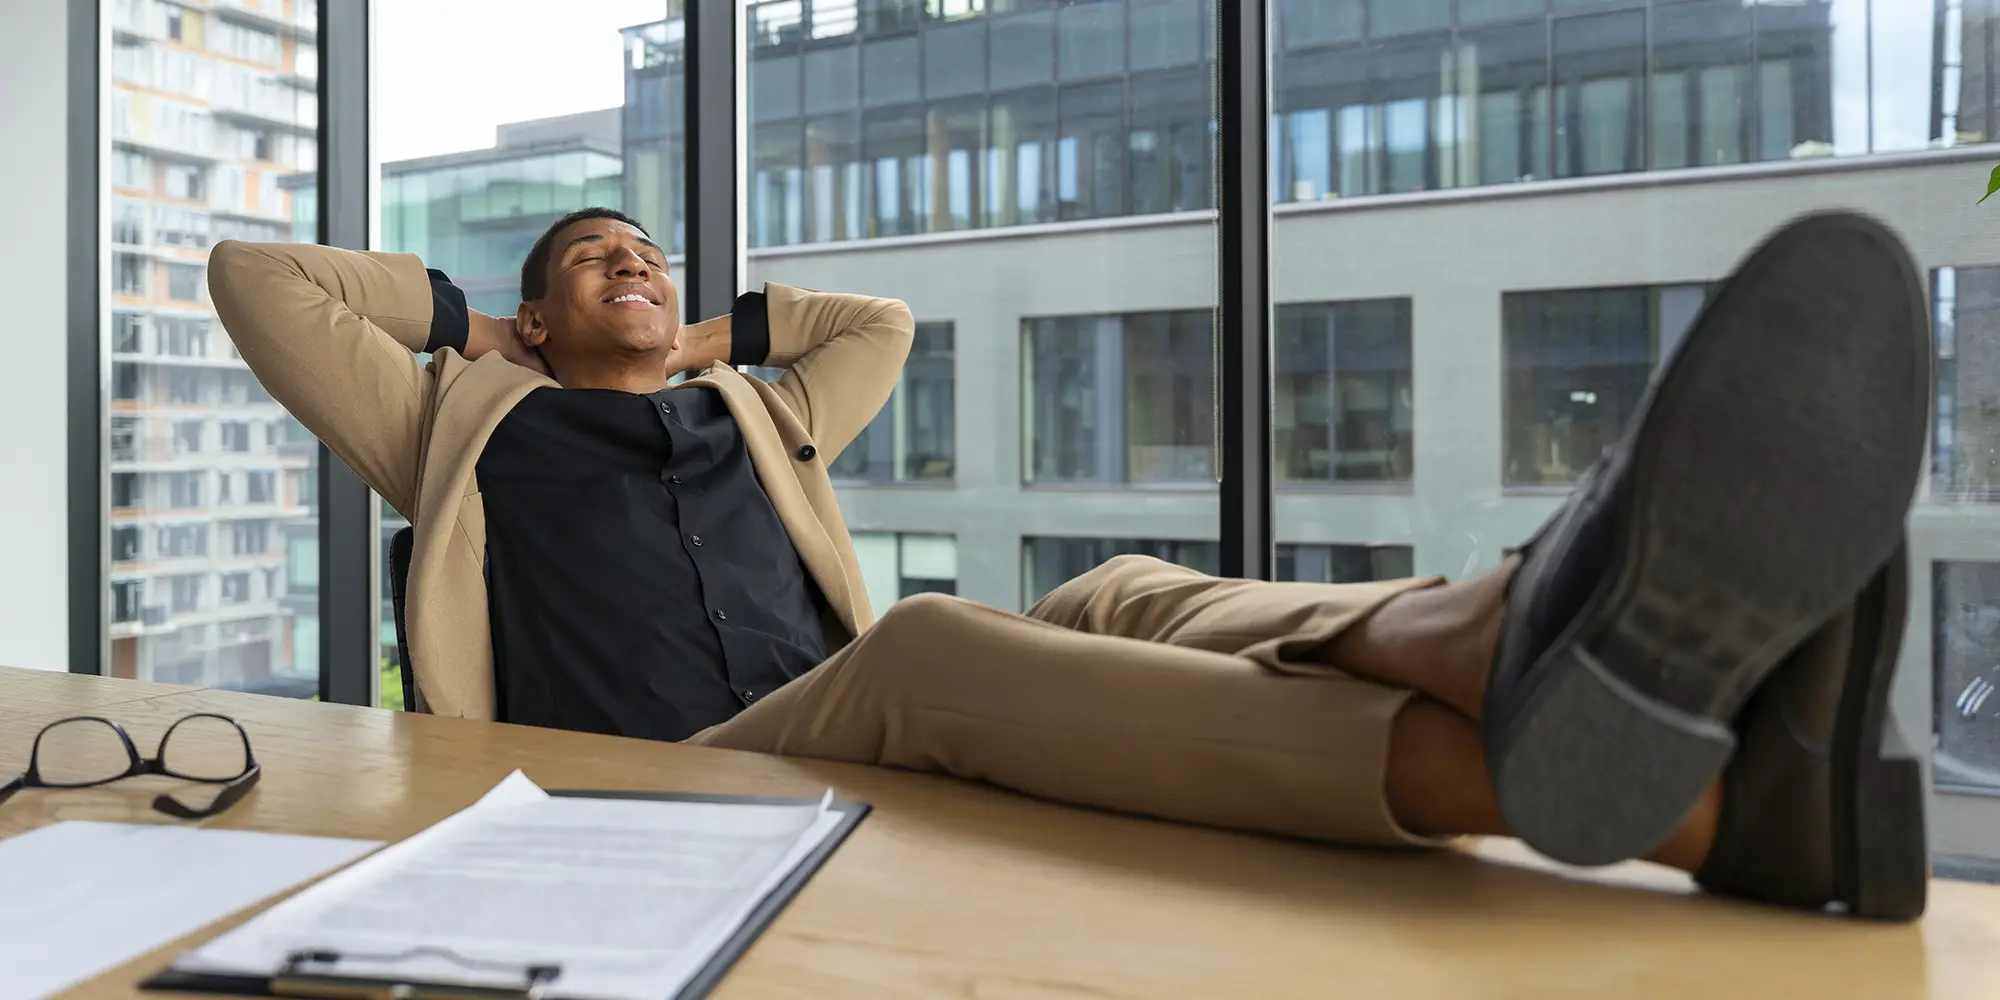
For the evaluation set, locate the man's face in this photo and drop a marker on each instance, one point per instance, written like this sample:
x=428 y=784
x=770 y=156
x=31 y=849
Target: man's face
x=608 y=295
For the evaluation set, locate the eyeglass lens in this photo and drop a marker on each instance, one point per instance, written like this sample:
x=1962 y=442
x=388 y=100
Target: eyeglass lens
x=81 y=752
x=205 y=748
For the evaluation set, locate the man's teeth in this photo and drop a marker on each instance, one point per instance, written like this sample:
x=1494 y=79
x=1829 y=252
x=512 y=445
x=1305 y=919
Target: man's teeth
x=633 y=298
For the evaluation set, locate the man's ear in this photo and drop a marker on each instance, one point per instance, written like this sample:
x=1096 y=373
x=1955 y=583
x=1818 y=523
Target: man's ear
x=528 y=325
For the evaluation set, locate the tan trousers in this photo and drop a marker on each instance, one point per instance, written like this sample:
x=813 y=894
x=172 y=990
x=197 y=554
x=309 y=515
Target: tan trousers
x=1141 y=686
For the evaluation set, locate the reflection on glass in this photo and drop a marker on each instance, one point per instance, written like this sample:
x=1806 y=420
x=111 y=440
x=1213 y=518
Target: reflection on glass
x=211 y=489
x=1341 y=406
x=1119 y=399
x=1047 y=561
x=1966 y=652
x=1577 y=363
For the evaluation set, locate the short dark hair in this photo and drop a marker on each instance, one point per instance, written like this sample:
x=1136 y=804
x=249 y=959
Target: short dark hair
x=535 y=270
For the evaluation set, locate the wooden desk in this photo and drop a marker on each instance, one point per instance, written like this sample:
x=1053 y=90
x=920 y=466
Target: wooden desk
x=954 y=890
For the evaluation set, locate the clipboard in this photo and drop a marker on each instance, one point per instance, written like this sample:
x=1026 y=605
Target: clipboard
x=332 y=987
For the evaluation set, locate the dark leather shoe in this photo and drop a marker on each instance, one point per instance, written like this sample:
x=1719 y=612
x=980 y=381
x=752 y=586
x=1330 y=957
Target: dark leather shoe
x=1763 y=481
x=1823 y=805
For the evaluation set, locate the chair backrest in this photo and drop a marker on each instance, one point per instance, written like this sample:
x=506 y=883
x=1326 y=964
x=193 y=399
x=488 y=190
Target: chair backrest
x=399 y=581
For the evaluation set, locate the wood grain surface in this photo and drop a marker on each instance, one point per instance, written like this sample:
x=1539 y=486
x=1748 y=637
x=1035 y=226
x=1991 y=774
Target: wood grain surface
x=955 y=890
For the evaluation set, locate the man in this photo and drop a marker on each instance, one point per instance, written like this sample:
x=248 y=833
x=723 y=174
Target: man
x=1690 y=662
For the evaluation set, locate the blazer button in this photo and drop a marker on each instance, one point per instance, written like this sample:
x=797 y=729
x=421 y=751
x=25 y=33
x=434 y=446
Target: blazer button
x=806 y=452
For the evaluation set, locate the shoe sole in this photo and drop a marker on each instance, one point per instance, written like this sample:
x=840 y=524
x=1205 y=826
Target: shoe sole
x=1775 y=459
x=1881 y=856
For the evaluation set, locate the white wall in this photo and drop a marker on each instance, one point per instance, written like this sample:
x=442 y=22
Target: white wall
x=34 y=130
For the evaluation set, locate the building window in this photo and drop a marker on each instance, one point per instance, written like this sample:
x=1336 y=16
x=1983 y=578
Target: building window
x=914 y=437
x=129 y=170
x=124 y=381
x=128 y=224
x=124 y=543
x=235 y=436
x=1965 y=603
x=183 y=337
x=184 y=388
x=1345 y=563
x=182 y=541
x=1965 y=442
x=260 y=487
x=1048 y=562
x=1342 y=407
x=128 y=274
x=1576 y=365
x=186 y=182
x=235 y=588
x=249 y=538
x=1119 y=399
x=127 y=333
x=124 y=439
x=185 y=591
x=127 y=597
x=184 y=282
x=187 y=437
x=894 y=566
x=126 y=492
x=184 y=489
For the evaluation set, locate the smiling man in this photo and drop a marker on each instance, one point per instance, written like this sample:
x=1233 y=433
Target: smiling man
x=1689 y=663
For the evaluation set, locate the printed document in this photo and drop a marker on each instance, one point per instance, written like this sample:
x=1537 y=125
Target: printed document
x=77 y=898
x=629 y=898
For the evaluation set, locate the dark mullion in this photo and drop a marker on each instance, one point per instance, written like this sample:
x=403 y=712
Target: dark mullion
x=1243 y=334
x=85 y=373
x=709 y=125
x=349 y=634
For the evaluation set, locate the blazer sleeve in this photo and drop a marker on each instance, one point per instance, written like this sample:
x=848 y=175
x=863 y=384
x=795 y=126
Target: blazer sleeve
x=842 y=356
x=331 y=335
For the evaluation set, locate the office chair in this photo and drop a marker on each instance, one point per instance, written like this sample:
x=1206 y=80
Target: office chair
x=399 y=580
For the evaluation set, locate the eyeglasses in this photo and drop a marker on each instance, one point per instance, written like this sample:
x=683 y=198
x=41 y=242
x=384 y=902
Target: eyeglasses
x=86 y=751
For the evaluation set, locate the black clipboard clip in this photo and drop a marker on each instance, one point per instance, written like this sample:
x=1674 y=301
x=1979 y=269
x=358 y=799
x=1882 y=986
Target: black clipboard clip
x=307 y=974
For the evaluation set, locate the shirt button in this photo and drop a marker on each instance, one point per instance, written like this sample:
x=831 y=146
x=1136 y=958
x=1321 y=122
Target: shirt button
x=666 y=407
x=674 y=480
x=749 y=696
x=695 y=540
x=721 y=615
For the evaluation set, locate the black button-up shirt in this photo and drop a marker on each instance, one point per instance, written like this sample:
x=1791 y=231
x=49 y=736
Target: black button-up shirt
x=639 y=581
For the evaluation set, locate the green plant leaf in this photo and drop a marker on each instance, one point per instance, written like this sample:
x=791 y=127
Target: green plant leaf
x=1992 y=185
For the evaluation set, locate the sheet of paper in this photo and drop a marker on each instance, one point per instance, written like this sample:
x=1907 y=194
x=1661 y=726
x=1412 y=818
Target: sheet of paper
x=77 y=898
x=631 y=898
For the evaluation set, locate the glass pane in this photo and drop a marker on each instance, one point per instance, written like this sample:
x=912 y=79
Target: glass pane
x=211 y=482
x=552 y=131
x=1084 y=369
x=1445 y=371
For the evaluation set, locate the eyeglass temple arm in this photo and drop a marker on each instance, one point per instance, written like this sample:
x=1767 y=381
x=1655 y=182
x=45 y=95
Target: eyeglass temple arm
x=230 y=793
x=12 y=785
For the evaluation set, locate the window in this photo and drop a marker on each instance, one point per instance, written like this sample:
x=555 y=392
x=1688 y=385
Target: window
x=260 y=487
x=894 y=566
x=235 y=588
x=126 y=492
x=182 y=541
x=184 y=387
x=124 y=439
x=248 y=538
x=1965 y=443
x=913 y=438
x=1345 y=563
x=128 y=274
x=183 y=337
x=126 y=598
x=1119 y=399
x=184 y=282
x=1966 y=653
x=187 y=436
x=185 y=182
x=235 y=436
x=128 y=331
x=128 y=223
x=1577 y=363
x=130 y=170
x=1342 y=399
x=124 y=381
x=1047 y=562
x=124 y=543
x=302 y=565
x=186 y=592
x=184 y=489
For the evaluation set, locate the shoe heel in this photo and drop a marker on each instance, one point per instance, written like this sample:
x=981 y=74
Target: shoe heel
x=1891 y=859
x=1594 y=772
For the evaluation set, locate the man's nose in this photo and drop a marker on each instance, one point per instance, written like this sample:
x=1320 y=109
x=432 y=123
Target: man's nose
x=628 y=262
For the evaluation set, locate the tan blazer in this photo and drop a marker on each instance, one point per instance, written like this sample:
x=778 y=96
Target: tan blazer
x=333 y=334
